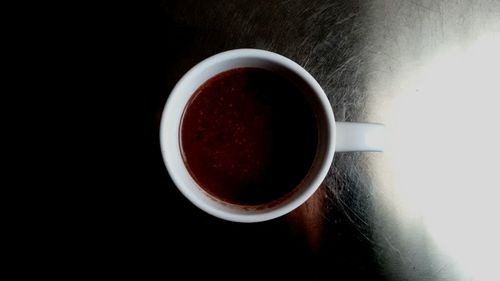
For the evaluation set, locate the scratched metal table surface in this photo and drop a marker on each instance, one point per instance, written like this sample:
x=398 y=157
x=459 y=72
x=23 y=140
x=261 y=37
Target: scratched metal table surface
x=423 y=210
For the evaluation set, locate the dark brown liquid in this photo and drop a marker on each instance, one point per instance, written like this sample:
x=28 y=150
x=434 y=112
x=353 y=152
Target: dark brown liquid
x=248 y=136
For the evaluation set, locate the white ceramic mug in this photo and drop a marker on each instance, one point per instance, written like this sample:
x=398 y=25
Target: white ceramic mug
x=333 y=136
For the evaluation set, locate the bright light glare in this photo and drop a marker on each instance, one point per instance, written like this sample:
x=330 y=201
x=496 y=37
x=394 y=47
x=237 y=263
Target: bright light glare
x=444 y=152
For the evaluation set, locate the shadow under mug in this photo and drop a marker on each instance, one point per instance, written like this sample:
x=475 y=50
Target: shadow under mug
x=332 y=136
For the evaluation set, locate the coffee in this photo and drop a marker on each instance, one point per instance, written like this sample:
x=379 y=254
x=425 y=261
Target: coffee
x=248 y=136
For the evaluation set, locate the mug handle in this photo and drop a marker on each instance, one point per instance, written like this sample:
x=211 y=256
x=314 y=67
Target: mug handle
x=353 y=136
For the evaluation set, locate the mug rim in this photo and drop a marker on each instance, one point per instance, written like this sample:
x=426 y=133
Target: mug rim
x=282 y=208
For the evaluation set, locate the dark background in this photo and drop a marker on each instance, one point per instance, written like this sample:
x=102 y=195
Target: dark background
x=141 y=224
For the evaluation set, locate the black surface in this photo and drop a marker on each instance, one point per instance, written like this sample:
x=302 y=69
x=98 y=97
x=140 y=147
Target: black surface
x=142 y=224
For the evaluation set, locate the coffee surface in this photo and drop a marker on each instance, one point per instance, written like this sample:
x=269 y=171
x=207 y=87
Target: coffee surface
x=248 y=136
